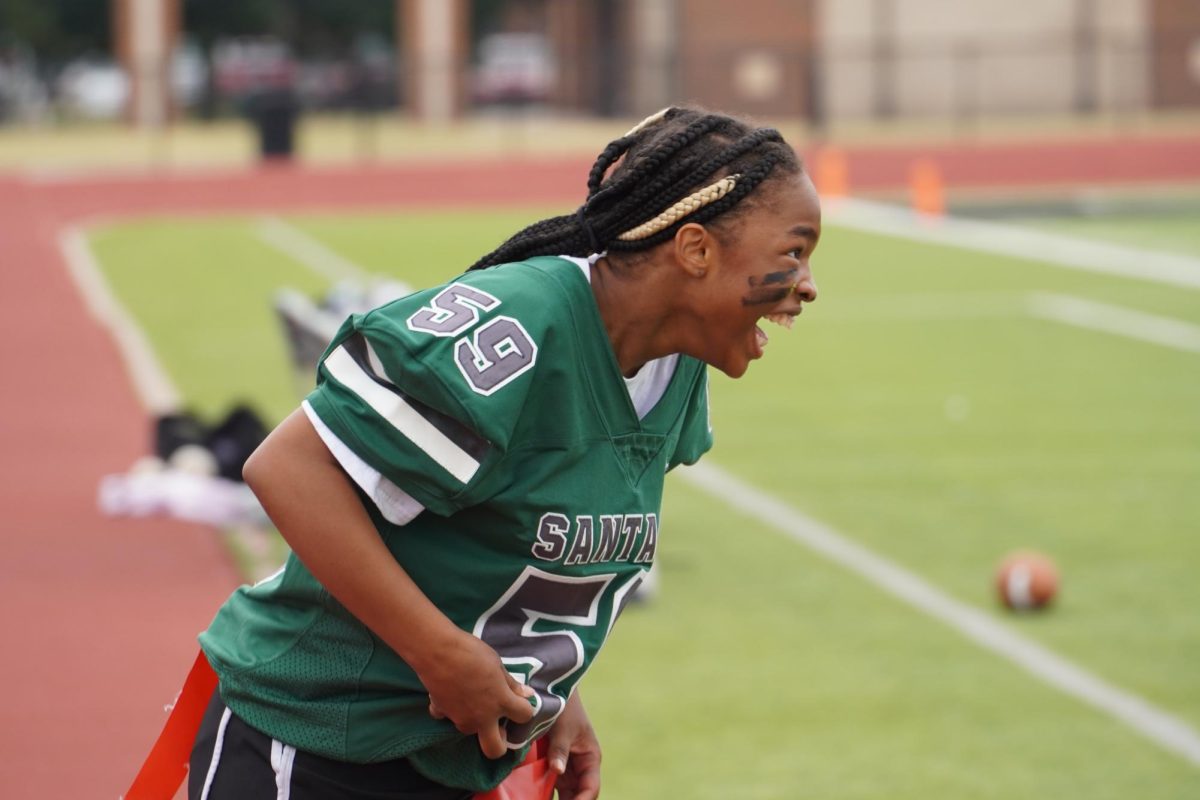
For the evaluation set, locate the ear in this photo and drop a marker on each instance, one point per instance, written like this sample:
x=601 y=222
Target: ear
x=693 y=246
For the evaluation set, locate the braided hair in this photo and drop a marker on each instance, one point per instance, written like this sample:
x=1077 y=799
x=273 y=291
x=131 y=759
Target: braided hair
x=680 y=165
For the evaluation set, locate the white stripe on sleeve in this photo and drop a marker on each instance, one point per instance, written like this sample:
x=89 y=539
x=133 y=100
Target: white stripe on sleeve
x=397 y=506
x=403 y=417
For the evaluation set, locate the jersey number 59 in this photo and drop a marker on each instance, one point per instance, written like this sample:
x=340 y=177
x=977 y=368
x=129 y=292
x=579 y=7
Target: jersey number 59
x=491 y=355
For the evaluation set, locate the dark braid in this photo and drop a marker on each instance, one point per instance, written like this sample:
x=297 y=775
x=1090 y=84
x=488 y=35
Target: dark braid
x=654 y=160
x=645 y=172
x=615 y=150
x=660 y=191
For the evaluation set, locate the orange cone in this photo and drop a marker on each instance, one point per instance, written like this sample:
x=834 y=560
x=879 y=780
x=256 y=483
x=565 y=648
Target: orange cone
x=832 y=174
x=927 y=190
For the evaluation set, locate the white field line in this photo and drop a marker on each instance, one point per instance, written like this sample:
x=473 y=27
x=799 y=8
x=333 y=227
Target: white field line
x=153 y=386
x=1011 y=240
x=308 y=251
x=1162 y=728
x=1090 y=314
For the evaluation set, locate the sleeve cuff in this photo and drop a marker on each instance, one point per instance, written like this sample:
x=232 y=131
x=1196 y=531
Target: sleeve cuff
x=396 y=505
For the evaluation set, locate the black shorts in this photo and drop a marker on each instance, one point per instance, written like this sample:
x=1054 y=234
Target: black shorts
x=232 y=761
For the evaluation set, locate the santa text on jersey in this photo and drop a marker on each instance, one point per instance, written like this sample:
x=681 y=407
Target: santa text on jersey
x=594 y=539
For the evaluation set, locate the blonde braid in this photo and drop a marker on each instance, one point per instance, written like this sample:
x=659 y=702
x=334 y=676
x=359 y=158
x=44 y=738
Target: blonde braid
x=688 y=205
x=647 y=122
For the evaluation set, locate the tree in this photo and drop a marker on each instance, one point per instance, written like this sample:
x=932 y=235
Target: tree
x=57 y=30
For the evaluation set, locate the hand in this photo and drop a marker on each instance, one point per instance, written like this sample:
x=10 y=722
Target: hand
x=468 y=685
x=575 y=753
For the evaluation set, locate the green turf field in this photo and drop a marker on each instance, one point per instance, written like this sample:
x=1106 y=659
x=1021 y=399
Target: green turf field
x=919 y=409
x=1176 y=233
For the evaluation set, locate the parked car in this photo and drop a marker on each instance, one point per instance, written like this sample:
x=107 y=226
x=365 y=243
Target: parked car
x=23 y=95
x=513 y=69
x=246 y=66
x=93 y=87
x=99 y=88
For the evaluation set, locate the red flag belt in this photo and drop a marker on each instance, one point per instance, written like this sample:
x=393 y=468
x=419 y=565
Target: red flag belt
x=167 y=765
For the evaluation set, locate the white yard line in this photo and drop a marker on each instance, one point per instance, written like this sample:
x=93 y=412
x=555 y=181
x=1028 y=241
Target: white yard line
x=1082 y=313
x=308 y=251
x=1162 y=728
x=153 y=386
x=1011 y=240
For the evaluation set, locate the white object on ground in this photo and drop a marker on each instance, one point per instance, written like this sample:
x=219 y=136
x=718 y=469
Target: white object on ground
x=183 y=495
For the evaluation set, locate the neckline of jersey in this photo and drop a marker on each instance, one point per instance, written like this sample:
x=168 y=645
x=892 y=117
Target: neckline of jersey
x=576 y=284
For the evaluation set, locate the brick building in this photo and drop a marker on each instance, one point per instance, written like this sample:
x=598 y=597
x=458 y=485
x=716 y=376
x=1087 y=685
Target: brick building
x=822 y=60
x=853 y=59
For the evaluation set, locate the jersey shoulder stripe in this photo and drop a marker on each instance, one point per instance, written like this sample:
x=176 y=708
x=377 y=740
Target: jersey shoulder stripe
x=395 y=408
x=363 y=353
x=396 y=505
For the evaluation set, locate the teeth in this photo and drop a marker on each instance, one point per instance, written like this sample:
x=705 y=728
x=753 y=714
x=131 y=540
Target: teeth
x=784 y=320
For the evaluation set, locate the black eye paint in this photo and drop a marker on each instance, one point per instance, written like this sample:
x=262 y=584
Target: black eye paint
x=774 y=278
x=763 y=296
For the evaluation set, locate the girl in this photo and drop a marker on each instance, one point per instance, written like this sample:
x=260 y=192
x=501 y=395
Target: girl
x=471 y=493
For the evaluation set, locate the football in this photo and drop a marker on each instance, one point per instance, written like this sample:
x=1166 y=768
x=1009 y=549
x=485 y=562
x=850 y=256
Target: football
x=1026 y=581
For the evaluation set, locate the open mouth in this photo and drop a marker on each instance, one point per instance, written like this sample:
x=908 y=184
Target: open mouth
x=760 y=336
x=782 y=319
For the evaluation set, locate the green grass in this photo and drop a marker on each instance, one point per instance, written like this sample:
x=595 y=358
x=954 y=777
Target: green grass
x=203 y=292
x=1082 y=444
x=1178 y=234
x=918 y=409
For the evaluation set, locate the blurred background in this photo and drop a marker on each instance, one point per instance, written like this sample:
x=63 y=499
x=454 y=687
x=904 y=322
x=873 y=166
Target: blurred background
x=194 y=193
x=832 y=68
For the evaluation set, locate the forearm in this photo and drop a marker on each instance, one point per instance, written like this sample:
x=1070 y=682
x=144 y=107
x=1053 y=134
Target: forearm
x=317 y=511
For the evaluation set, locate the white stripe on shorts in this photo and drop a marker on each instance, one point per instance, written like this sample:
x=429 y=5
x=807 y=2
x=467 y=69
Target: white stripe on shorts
x=403 y=417
x=216 y=754
x=282 y=758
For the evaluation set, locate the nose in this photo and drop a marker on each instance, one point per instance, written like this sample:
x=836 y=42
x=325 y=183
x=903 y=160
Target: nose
x=806 y=288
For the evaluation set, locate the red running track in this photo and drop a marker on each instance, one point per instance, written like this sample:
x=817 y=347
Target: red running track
x=101 y=614
x=1032 y=164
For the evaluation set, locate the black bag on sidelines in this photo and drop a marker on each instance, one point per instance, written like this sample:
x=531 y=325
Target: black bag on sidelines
x=231 y=441
x=173 y=431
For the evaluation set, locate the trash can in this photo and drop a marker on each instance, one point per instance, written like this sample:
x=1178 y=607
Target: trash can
x=274 y=113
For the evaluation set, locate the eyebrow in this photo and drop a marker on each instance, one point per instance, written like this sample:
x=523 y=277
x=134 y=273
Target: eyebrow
x=804 y=231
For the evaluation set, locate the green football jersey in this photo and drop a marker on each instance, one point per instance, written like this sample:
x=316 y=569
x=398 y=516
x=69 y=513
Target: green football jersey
x=494 y=443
